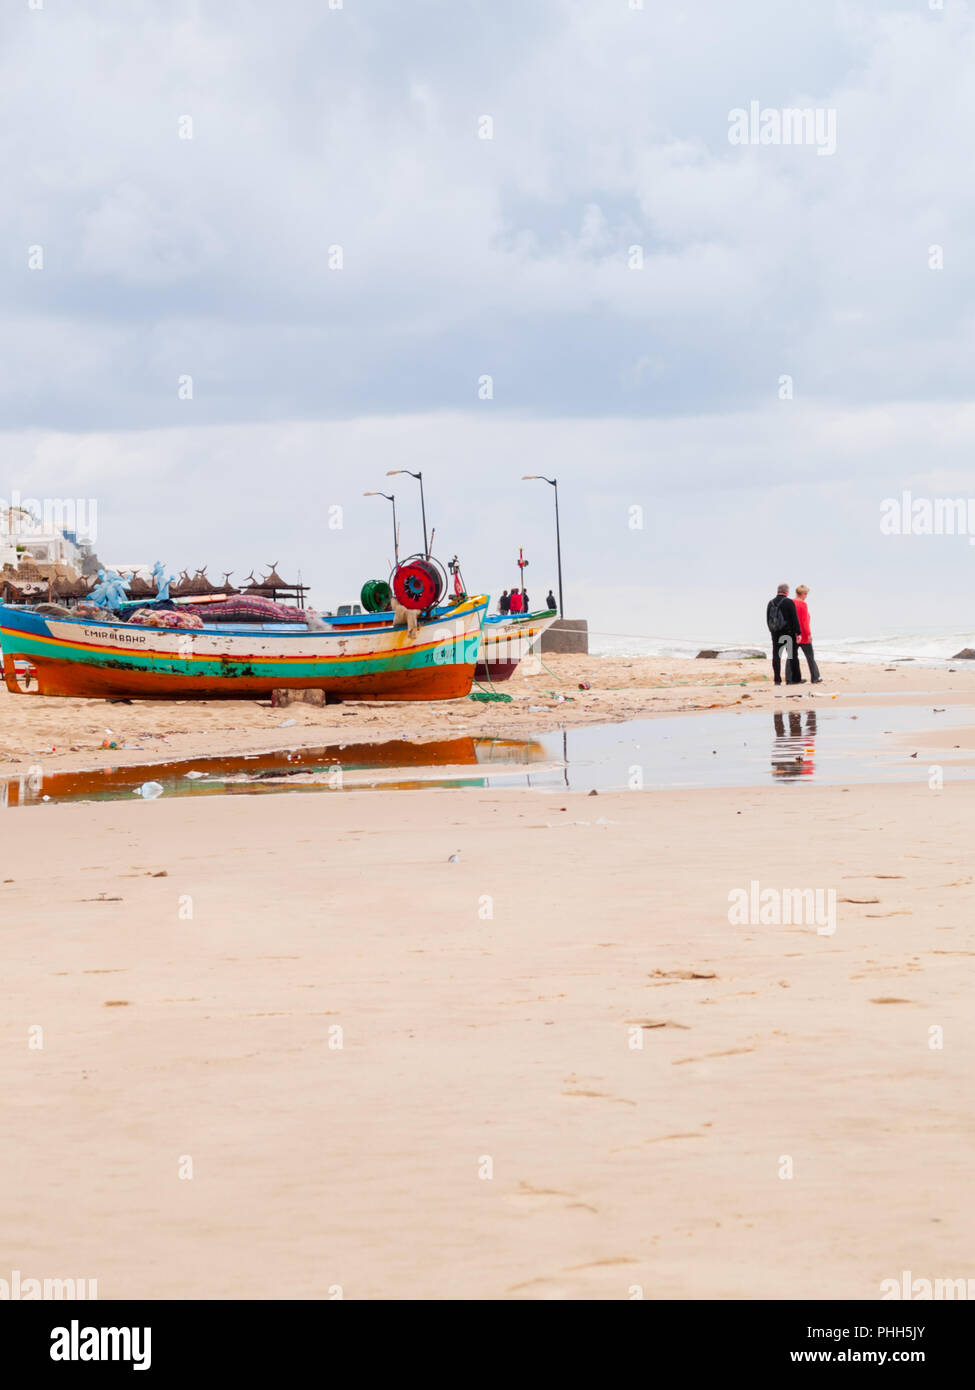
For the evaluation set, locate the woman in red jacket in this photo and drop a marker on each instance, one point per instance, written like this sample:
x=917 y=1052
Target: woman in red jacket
x=805 y=633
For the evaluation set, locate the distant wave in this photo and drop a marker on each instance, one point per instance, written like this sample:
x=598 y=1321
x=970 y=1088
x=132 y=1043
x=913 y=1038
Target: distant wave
x=920 y=648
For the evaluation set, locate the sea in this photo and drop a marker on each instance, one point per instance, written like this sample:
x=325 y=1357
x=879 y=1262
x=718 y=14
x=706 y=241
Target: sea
x=934 y=649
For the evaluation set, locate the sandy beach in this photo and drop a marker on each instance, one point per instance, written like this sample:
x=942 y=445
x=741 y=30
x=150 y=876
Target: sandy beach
x=289 y=1049
x=354 y=348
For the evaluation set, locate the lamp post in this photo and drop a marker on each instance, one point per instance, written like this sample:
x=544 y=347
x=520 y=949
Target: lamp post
x=390 y=497
x=392 y=472
x=553 y=482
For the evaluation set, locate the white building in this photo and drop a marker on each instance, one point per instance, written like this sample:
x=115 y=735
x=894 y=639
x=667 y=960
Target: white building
x=24 y=540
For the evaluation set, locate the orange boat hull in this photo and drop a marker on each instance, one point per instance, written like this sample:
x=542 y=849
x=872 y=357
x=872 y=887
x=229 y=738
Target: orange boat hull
x=101 y=659
x=73 y=679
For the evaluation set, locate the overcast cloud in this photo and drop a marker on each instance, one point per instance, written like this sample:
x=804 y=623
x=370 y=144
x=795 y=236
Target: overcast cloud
x=510 y=257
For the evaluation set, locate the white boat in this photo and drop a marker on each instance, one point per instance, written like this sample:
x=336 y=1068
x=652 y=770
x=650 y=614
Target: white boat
x=506 y=639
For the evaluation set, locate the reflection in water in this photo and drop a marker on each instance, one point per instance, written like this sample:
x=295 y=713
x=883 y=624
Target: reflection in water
x=278 y=771
x=793 y=750
x=728 y=749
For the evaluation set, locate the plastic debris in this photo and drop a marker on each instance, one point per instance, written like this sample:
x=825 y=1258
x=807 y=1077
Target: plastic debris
x=150 y=790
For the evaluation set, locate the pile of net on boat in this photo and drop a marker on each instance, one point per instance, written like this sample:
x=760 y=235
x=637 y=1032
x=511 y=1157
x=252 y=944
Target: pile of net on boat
x=247 y=608
x=165 y=617
x=236 y=608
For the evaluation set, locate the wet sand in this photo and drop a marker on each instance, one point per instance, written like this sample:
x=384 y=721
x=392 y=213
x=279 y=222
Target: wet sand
x=68 y=733
x=559 y=1070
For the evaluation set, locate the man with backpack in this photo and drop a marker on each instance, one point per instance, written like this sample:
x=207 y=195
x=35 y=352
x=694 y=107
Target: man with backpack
x=782 y=621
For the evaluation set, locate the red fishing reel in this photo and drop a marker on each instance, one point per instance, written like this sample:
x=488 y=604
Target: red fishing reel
x=418 y=582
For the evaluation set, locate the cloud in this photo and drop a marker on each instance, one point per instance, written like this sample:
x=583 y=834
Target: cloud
x=313 y=128
x=727 y=505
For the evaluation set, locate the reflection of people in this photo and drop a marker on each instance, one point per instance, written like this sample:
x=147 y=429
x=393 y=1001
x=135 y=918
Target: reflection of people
x=516 y=603
x=805 y=634
x=792 y=751
x=504 y=602
x=782 y=621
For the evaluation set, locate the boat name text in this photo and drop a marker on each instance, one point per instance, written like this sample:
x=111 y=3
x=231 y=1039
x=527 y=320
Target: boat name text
x=138 y=638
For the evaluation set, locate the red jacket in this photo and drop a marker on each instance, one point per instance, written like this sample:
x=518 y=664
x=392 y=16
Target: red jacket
x=802 y=608
x=517 y=606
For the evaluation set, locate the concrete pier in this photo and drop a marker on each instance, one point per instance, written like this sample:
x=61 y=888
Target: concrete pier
x=567 y=637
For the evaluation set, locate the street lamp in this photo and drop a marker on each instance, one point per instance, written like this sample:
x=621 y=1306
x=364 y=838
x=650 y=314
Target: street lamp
x=553 y=482
x=419 y=477
x=390 y=497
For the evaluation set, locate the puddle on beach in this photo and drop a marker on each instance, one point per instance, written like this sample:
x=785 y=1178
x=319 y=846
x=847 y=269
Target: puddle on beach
x=748 y=749
x=396 y=763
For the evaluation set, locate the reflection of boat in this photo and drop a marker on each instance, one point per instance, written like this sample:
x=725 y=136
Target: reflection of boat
x=510 y=750
x=210 y=774
x=373 y=661
x=507 y=638
x=298 y=769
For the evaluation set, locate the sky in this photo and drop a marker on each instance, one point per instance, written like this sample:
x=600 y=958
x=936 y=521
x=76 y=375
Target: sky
x=255 y=255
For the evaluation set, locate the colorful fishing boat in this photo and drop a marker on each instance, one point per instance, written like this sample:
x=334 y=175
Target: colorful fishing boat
x=371 y=660
x=507 y=639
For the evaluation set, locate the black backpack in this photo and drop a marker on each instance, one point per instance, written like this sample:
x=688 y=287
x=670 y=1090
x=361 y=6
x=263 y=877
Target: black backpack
x=774 y=617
